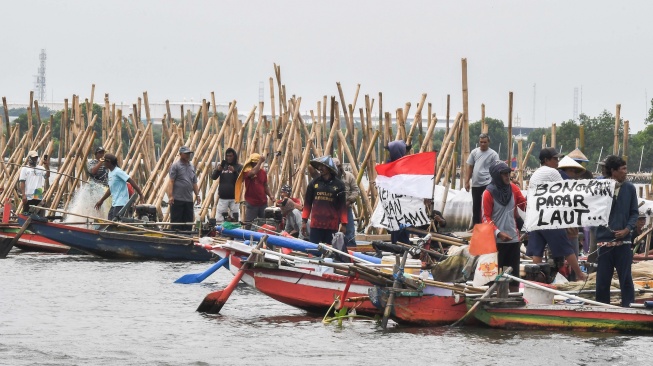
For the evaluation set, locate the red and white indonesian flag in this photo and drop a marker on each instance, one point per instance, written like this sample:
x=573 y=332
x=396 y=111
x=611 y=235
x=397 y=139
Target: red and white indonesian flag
x=411 y=175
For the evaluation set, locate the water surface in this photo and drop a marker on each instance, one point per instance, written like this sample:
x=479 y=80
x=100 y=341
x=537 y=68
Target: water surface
x=80 y=310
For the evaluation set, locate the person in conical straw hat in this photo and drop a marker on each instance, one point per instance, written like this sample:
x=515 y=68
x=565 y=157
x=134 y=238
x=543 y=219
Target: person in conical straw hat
x=324 y=203
x=257 y=191
x=569 y=168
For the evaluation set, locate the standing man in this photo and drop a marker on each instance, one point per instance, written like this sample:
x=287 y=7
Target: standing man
x=118 y=191
x=352 y=194
x=324 y=203
x=500 y=202
x=227 y=170
x=183 y=182
x=96 y=169
x=556 y=238
x=614 y=241
x=257 y=191
x=32 y=180
x=478 y=170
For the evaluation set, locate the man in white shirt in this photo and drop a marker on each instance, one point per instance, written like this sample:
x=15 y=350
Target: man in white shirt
x=556 y=238
x=32 y=180
x=478 y=170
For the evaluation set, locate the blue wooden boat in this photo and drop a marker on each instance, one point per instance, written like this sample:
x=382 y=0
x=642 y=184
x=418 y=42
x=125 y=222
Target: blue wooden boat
x=120 y=245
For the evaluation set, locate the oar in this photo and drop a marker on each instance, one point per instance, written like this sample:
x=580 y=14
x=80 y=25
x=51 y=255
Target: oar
x=213 y=302
x=487 y=293
x=6 y=245
x=199 y=277
x=399 y=273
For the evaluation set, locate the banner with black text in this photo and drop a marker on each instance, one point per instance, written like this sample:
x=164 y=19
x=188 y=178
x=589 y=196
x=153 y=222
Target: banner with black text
x=394 y=210
x=569 y=203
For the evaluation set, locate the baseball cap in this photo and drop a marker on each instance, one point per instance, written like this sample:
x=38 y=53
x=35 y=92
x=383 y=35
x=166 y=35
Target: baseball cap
x=184 y=150
x=33 y=154
x=99 y=149
x=549 y=153
x=286 y=189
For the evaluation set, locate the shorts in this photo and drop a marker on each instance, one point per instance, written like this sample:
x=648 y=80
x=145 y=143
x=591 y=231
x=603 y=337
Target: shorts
x=556 y=238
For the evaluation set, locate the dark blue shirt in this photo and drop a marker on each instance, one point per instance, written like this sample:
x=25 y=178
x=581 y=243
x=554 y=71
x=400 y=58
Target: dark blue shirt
x=623 y=214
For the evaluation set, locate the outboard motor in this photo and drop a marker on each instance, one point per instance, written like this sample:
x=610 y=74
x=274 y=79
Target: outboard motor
x=146 y=212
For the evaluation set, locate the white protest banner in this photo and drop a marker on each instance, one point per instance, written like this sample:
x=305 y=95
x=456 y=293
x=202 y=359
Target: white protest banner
x=569 y=203
x=394 y=210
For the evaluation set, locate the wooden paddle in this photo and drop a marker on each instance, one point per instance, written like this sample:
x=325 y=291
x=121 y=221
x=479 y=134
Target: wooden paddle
x=6 y=245
x=199 y=277
x=213 y=302
x=395 y=286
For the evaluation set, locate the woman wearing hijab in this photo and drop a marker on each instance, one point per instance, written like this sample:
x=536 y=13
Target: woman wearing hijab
x=500 y=202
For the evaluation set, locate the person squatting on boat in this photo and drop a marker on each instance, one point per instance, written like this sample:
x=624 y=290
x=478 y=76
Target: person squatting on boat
x=182 y=185
x=32 y=180
x=227 y=170
x=118 y=191
x=500 y=202
x=97 y=171
x=557 y=239
x=614 y=240
x=257 y=190
x=478 y=170
x=398 y=149
x=352 y=194
x=324 y=203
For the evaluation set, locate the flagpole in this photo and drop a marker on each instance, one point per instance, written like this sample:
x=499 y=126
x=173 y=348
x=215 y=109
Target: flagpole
x=435 y=170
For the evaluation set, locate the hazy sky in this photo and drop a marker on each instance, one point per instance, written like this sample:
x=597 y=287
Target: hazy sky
x=186 y=49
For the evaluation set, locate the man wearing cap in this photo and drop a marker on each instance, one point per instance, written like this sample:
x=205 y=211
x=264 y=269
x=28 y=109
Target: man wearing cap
x=182 y=185
x=556 y=238
x=352 y=194
x=117 y=179
x=324 y=203
x=478 y=170
x=96 y=169
x=32 y=180
x=257 y=190
x=227 y=170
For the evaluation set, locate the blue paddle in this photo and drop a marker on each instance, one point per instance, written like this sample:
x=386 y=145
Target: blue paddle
x=199 y=277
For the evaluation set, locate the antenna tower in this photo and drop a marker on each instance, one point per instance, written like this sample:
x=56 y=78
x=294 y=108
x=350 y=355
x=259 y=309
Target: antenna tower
x=39 y=84
x=575 y=104
x=261 y=95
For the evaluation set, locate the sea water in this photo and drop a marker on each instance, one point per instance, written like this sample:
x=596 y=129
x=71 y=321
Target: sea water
x=81 y=310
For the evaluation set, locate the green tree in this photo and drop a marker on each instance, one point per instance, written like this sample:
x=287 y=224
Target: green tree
x=643 y=138
x=649 y=119
x=566 y=135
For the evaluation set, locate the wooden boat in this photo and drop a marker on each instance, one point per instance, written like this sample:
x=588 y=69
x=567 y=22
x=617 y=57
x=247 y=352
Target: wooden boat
x=34 y=242
x=519 y=315
x=305 y=286
x=436 y=307
x=120 y=245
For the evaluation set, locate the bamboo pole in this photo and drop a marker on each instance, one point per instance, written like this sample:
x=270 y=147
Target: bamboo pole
x=509 y=160
x=624 y=154
x=617 y=120
x=465 y=121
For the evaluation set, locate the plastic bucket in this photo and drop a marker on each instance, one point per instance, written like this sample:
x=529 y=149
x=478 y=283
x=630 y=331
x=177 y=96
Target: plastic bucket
x=537 y=297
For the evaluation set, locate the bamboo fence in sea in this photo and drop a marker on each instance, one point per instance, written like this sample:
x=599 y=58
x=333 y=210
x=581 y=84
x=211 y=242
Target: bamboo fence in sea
x=286 y=140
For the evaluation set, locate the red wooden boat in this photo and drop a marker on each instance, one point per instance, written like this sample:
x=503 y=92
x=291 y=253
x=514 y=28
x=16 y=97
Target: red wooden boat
x=35 y=242
x=436 y=307
x=305 y=286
